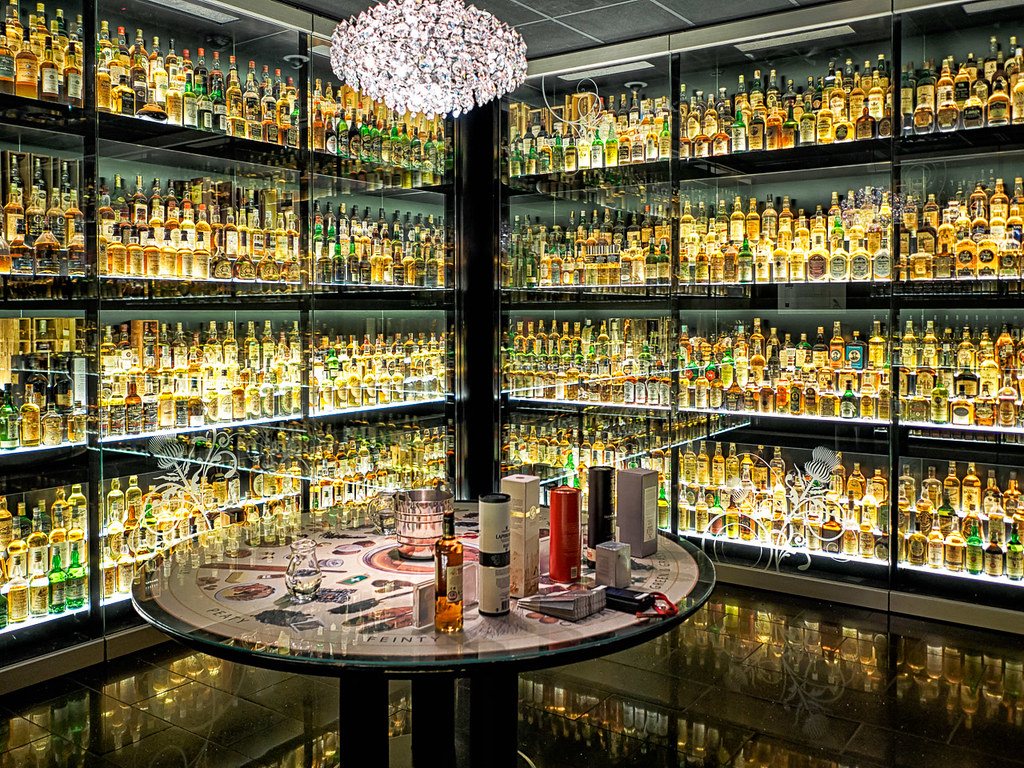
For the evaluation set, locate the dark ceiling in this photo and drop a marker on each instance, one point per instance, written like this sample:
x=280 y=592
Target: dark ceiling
x=559 y=26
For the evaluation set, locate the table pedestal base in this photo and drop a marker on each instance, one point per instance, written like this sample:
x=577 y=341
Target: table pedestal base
x=493 y=721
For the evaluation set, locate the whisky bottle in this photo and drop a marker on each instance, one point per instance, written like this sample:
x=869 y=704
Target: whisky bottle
x=76 y=582
x=57 y=580
x=448 y=558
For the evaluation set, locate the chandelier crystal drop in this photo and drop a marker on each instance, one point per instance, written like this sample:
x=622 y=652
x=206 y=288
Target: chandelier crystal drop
x=433 y=57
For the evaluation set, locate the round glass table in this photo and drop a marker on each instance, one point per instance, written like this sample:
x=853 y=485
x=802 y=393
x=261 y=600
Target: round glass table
x=224 y=593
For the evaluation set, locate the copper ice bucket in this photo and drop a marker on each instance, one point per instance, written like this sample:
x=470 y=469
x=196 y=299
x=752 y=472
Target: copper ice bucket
x=418 y=517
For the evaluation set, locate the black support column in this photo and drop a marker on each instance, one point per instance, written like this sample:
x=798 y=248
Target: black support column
x=477 y=302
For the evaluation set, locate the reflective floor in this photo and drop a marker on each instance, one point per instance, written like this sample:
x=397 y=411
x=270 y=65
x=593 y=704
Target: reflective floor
x=754 y=679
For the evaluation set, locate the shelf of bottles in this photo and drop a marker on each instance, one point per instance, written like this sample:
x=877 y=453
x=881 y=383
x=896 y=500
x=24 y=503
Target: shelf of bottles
x=350 y=465
x=966 y=524
x=230 y=232
x=959 y=377
x=43 y=366
x=960 y=227
x=960 y=85
x=216 y=497
x=559 y=448
x=764 y=105
x=843 y=377
x=556 y=246
x=594 y=129
x=380 y=218
x=154 y=77
x=366 y=240
x=43 y=540
x=362 y=363
x=162 y=376
x=42 y=246
x=786 y=502
x=369 y=147
x=609 y=362
x=216 y=493
x=42 y=55
x=822 y=235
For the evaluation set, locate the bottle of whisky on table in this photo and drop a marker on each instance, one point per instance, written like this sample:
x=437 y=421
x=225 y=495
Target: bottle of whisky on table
x=448 y=578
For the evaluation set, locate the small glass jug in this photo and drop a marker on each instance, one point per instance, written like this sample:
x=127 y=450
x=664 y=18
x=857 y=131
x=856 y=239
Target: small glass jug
x=380 y=511
x=303 y=577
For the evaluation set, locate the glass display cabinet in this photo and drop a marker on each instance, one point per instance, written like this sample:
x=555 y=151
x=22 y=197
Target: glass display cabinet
x=959 y=168
x=228 y=302
x=840 y=204
x=585 y=277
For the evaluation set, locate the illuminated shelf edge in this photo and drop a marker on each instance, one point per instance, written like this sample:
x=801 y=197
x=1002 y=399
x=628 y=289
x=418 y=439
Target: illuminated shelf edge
x=589 y=403
x=766 y=545
x=317 y=414
x=943 y=572
x=929 y=426
x=20 y=450
x=120 y=597
x=186 y=430
x=37 y=620
x=784 y=416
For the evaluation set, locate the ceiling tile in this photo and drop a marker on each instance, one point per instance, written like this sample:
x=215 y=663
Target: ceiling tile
x=633 y=20
x=508 y=11
x=702 y=13
x=546 y=38
x=562 y=7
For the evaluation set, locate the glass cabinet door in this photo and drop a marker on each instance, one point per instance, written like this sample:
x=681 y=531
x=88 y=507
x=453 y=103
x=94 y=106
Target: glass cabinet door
x=957 y=370
x=785 y=273
x=46 y=338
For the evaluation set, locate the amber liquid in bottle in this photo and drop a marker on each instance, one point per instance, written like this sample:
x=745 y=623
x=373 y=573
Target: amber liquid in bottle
x=448 y=578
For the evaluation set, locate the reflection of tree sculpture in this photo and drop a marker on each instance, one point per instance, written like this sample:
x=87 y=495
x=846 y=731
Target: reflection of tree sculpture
x=780 y=521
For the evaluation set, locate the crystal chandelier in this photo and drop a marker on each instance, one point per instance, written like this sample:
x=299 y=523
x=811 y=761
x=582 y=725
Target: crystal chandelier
x=434 y=57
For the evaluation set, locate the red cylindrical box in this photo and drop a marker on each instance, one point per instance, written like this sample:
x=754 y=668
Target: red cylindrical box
x=564 y=564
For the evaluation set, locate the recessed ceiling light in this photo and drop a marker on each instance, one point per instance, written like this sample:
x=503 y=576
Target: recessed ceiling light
x=193 y=9
x=799 y=37
x=601 y=71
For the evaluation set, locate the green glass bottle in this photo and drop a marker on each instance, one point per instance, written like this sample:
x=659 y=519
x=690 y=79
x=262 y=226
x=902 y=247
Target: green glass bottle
x=1014 y=556
x=745 y=262
x=75 y=583
x=58 y=579
x=975 y=555
x=8 y=422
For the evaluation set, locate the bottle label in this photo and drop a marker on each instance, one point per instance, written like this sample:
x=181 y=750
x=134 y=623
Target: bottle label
x=50 y=81
x=453 y=580
x=1014 y=563
x=133 y=418
x=883 y=265
x=7 y=68
x=26 y=72
x=39 y=599
x=74 y=590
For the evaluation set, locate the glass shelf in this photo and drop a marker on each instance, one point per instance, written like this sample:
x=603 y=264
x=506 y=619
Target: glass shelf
x=588 y=404
x=976 y=577
x=317 y=413
x=38 y=450
x=788 y=417
x=778 y=552
x=35 y=621
x=113 y=439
